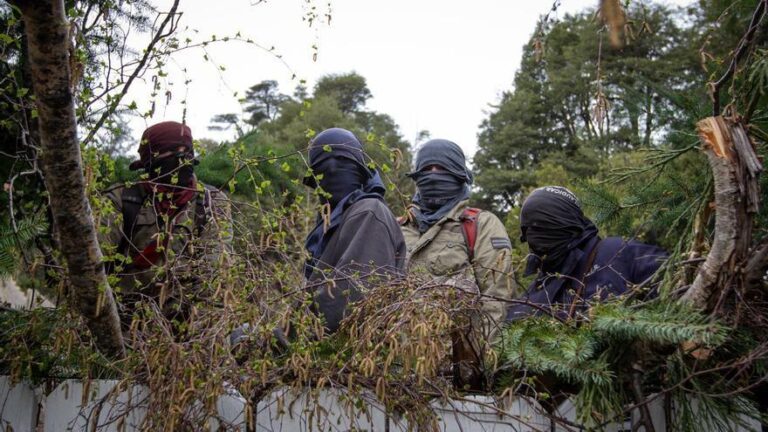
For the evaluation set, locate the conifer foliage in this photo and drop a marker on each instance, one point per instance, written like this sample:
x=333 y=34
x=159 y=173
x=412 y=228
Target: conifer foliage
x=13 y=240
x=577 y=353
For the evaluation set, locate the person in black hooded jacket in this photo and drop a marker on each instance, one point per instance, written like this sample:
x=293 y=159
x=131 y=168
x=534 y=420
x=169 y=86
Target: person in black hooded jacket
x=575 y=266
x=359 y=240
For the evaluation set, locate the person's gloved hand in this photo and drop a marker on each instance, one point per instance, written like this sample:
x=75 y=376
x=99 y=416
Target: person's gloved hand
x=282 y=345
x=240 y=334
x=241 y=341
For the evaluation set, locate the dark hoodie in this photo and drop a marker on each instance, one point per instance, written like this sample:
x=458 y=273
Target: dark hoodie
x=573 y=263
x=362 y=241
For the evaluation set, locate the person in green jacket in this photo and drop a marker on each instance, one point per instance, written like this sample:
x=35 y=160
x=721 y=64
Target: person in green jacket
x=447 y=238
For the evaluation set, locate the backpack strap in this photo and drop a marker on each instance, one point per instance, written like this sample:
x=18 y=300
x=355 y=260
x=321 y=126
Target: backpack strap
x=582 y=281
x=469 y=228
x=202 y=208
x=131 y=201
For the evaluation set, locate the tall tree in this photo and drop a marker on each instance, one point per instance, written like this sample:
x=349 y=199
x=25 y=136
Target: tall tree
x=47 y=32
x=350 y=91
x=222 y=122
x=262 y=102
x=577 y=96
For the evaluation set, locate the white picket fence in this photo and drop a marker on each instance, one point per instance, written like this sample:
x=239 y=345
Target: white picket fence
x=103 y=408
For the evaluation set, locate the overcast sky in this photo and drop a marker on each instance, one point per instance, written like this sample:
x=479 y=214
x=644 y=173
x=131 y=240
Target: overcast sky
x=432 y=65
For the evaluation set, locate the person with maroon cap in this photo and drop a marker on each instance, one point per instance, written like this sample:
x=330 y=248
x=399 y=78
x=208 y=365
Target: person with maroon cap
x=168 y=233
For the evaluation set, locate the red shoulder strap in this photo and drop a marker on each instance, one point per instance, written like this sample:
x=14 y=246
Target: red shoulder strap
x=469 y=224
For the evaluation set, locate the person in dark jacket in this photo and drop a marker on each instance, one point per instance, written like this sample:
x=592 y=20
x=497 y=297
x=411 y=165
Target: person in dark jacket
x=575 y=266
x=358 y=242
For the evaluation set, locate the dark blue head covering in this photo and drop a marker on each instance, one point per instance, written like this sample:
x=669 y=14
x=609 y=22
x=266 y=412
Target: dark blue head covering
x=446 y=154
x=439 y=191
x=553 y=224
x=335 y=143
x=338 y=155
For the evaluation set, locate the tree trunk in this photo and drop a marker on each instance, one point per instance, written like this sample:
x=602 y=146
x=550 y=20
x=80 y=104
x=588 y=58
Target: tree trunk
x=47 y=33
x=648 y=117
x=735 y=168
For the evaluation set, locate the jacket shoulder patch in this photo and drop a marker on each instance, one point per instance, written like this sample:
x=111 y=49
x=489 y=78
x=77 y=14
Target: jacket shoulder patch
x=501 y=243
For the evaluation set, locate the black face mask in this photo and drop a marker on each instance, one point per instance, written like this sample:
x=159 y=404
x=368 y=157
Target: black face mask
x=341 y=176
x=437 y=188
x=553 y=225
x=164 y=170
x=551 y=244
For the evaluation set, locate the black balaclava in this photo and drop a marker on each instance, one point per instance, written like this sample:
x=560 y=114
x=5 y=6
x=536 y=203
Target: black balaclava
x=179 y=166
x=337 y=155
x=340 y=177
x=553 y=224
x=439 y=191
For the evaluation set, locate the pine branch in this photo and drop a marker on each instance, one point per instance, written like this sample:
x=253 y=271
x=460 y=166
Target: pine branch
x=542 y=345
x=669 y=326
x=11 y=241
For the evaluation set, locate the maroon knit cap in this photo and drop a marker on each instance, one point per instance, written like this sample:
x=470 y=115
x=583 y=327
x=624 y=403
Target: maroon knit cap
x=160 y=138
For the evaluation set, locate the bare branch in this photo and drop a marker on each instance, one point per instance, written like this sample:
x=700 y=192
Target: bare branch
x=148 y=53
x=744 y=46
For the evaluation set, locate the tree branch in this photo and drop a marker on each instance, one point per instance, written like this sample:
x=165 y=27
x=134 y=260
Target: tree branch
x=744 y=45
x=148 y=52
x=757 y=267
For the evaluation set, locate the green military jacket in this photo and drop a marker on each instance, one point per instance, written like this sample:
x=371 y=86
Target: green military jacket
x=199 y=244
x=443 y=251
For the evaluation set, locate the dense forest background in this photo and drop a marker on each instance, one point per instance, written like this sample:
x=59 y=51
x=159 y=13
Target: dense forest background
x=609 y=112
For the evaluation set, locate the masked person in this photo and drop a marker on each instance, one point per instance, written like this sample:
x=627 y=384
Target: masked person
x=358 y=241
x=447 y=238
x=575 y=266
x=172 y=230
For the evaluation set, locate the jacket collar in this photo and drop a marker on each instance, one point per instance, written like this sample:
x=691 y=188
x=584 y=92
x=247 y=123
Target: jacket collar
x=572 y=269
x=454 y=215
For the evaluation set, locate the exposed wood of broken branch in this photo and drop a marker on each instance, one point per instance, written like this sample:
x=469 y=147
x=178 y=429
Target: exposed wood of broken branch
x=735 y=168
